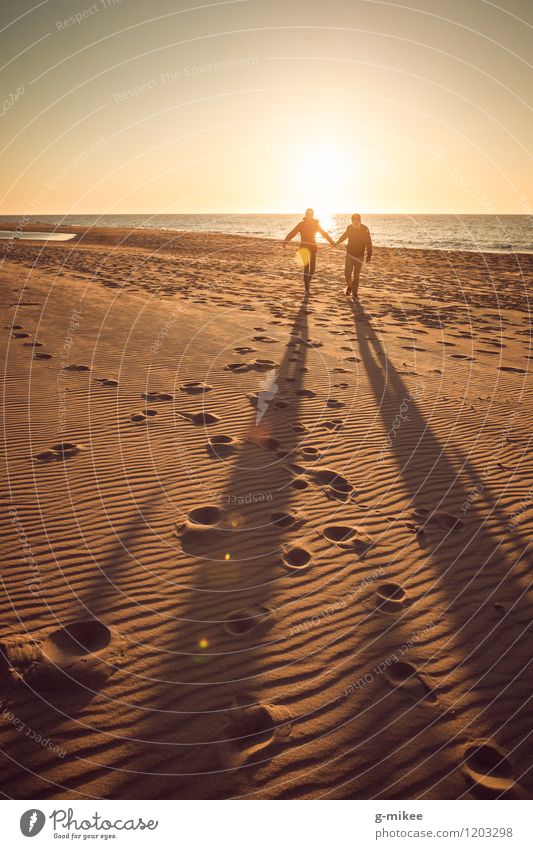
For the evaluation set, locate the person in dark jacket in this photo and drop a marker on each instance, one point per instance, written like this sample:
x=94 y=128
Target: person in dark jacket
x=307 y=229
x=359 y=243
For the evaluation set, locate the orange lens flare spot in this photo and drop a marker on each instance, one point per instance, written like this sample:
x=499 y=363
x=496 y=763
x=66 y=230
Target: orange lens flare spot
x=203 y=643
x=236 y=521
x=227 y=556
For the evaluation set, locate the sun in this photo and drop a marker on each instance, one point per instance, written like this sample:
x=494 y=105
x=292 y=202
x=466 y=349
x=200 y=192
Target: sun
x=324 y=162
x=324 y=169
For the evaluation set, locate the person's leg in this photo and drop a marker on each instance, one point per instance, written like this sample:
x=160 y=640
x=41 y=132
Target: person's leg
x=348 y=266
x=307 y=275
x=357 y=266
x=309 y=268
x=312 y=263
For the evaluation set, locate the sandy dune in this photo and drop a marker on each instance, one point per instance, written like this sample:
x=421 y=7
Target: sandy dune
x=292 y=535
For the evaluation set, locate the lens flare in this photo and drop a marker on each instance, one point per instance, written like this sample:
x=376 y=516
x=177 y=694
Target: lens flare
x=302 y=257
x=236 y=520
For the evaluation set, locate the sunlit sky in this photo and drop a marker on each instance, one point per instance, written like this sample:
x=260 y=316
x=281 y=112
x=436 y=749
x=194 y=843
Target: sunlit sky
x=266 y=106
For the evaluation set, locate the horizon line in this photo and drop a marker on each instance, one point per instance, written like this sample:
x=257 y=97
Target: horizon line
x=298 y=212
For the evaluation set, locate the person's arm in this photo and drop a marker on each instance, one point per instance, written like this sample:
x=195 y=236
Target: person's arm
x=342 y=238
x=291 y=235
x=326 y=236
x=368 y=246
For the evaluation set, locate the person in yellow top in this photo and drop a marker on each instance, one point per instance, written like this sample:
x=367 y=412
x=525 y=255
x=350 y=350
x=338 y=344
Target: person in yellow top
x=307 y=229
x=359 y=243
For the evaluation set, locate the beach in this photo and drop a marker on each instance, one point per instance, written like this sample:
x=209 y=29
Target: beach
x=293 y=533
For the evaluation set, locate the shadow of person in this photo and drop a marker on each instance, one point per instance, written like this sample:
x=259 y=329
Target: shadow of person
x=461 y=525
x=205 y=687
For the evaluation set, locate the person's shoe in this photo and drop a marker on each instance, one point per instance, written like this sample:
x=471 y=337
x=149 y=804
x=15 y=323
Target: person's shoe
x=348 y=291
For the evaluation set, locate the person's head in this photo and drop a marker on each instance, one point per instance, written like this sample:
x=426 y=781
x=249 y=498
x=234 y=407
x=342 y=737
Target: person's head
x=356 y=218
x=309 y=213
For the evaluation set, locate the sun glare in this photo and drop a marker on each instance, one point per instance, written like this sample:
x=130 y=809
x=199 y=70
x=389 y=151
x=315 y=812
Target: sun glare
x=322 y=176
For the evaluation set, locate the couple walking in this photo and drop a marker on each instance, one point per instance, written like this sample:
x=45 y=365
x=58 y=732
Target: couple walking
x=359 y=243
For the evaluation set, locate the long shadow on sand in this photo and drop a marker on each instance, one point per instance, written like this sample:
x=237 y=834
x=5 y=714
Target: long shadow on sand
x=464 y=549
x=204 y=713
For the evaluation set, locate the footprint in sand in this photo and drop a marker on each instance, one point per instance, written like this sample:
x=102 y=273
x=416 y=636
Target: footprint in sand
x=263 y=365
x=59 y=451
x=289 y=521
x=334 y=404
x=310 y=452
x=512 y=369
x=266 y=339
x=107 y=381
x=296 y=558
x=199 y=418
x=85 y=651
x=333 y=482
x=143 y=416
x=242 y=622
x=20 y=335
x=299 y=483
x=353 y=359
x=76 y=367
x=348 y=537
x=390 y=597
x=299 y=428
x=254 y=365
x=405 y=677
x=32 y=344
x=209 y=514
x=157 y=396
x=462 y=357
x=340 y=370
x=332 y=424
x=252 y=728
x=488 y=769
x=246 y=349
x=237 y=367
x=306 y=393
x=436 y=518
x=195 y=387
x=40 y=355
x=221 y=446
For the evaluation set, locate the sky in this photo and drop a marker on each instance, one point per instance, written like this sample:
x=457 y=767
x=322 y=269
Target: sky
x=122 y=106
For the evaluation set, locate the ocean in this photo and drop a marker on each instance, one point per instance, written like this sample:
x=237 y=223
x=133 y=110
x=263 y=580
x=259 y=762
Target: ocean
x=492 y=233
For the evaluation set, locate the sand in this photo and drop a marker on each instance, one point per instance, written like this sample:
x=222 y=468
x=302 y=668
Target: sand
x=262 y=546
